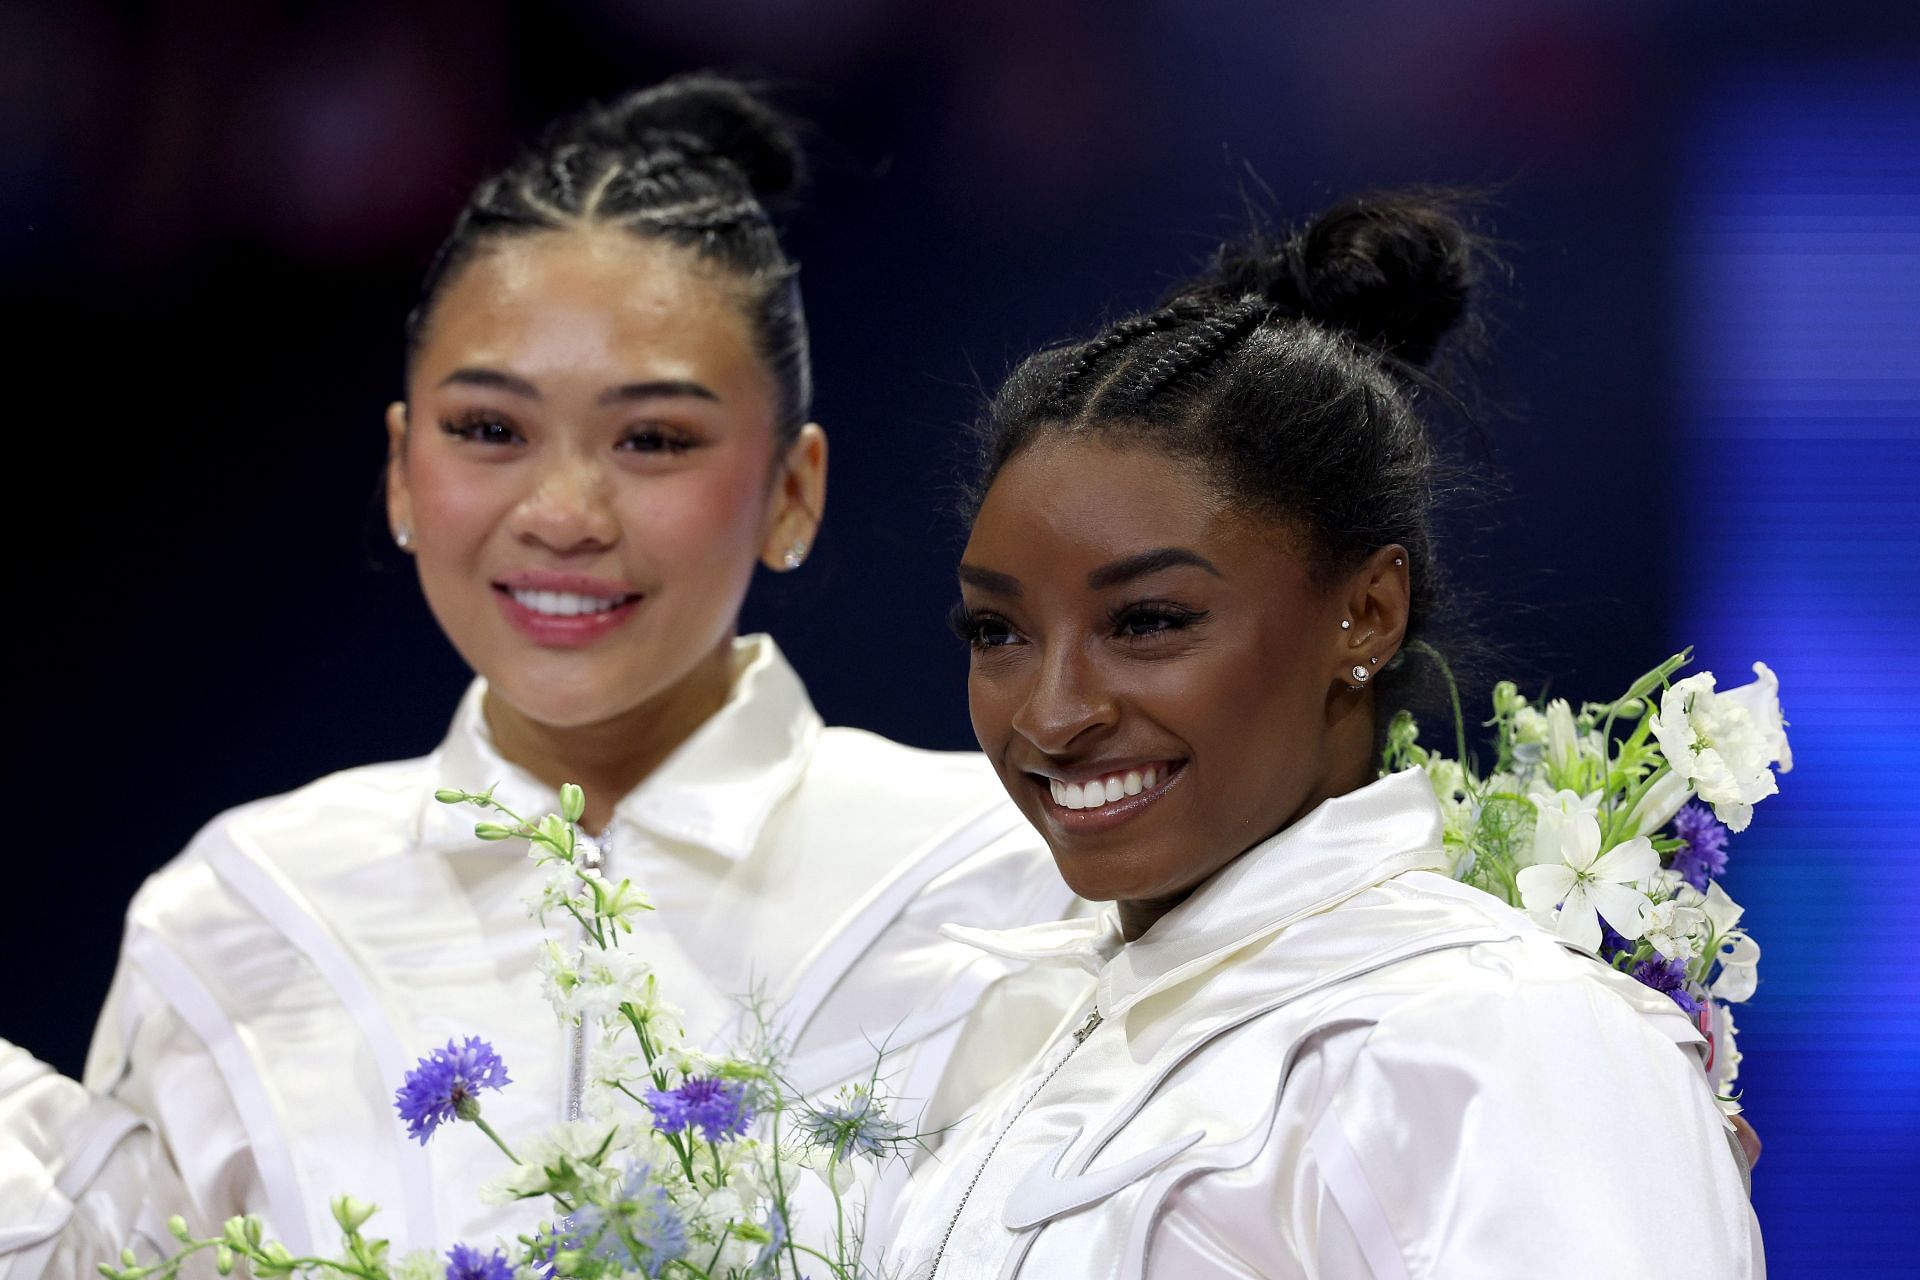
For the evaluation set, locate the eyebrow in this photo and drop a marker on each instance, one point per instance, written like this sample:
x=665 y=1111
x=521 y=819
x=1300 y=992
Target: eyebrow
x=1139 y=566
x=627 y=393
x=1000 y=584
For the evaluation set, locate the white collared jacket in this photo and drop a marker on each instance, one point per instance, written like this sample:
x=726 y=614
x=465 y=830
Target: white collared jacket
x=279 y=977
x=1334 y=1061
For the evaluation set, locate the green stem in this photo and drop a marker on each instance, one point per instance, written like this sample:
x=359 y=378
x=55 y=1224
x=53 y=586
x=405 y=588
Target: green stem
x=1453 y=693
x=497 y=1141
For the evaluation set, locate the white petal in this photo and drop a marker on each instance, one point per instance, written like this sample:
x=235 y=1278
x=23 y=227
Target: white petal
x=1544 y=885
x=1661 y=801
x=1577 y=923
x=1621 y=906
x=1629 y=863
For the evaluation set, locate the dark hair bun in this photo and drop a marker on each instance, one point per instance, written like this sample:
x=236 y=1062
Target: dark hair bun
x=714 y=113
x=1393 y=271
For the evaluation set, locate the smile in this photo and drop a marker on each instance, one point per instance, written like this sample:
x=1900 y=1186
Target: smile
x=556 y=619
x=1107 y=799
x=566 y=604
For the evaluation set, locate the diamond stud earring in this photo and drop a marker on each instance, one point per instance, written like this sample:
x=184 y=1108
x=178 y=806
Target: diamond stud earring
x=796 y=556
x=403 y=538
x=1346 y=624
x=1361 y=674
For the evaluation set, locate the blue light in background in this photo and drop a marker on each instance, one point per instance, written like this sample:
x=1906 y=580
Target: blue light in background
x=1797 y=516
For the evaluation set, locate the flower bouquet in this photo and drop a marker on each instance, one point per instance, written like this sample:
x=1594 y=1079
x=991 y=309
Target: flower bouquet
x=1609 y=826
x=678 y=1163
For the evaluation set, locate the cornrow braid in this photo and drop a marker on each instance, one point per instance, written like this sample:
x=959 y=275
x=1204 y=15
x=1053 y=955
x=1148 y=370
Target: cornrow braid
x=1193 y=350
x=1090 y=356
x=693 y=162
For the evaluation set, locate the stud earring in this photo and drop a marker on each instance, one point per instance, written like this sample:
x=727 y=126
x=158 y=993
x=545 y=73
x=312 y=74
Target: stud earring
x=1361 y=674
x=1397 y=560
x=1373 y=662
x=1345 y=624
x=795 y=557
x=403 y=538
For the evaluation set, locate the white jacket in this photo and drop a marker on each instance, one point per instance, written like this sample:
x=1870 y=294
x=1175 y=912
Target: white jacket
x=279 y=977
x=1332 y=1060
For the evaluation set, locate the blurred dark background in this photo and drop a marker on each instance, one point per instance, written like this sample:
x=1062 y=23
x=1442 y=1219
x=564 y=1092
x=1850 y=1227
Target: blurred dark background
x=213 y=214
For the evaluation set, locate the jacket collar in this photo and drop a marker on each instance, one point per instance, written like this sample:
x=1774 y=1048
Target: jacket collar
x=716 y=791
x=1345 y=846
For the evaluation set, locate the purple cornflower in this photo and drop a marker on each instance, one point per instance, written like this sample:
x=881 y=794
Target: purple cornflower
x=1668 y=977
x=1704 y=853
x=465 y=1263
x=715 y=1107
x=445 y=1084
x=1611 y=943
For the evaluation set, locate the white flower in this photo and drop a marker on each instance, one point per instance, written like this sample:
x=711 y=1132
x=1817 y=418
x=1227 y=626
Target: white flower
x=1555 y=812
x=1585 y=881
x=592 y=982
x=1674 y=930
x=1723 y=1066
x=1529 y=727
x=1563 y=740
x=1716 y=744
x=1761 y=700
x=1739 y=958
x=1657 y=805
x=420 y=1264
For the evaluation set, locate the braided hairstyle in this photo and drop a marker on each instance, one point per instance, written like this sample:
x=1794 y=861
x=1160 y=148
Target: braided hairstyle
x=1288 y=372
x=694 y=161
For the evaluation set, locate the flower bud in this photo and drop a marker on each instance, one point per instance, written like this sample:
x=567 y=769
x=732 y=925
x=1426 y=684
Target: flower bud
x=351 y=1213
x=492 y=831
x=256 y=1229
x=1631 y=709
x=223 y=1260
x=177 y=1225
x=450 y=795
x=129 y=1257
x=573 y=802
x=1507 y=698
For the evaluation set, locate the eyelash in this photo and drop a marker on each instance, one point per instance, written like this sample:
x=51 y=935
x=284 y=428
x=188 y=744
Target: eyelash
x=971 y=625
x=468 y=427
x=473 y=428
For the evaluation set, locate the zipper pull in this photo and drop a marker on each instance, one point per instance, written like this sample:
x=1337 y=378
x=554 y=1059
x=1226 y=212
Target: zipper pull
x=1086 y=1028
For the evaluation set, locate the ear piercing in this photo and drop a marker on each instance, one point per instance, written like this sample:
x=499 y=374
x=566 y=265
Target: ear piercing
x=795 y=557
x=403 y=537
x=1398 y=561
x=1345 y=624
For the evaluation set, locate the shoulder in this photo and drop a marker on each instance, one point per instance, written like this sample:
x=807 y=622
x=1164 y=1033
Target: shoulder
x=350 y=815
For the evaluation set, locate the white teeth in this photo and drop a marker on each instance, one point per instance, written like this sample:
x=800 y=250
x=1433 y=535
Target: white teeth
x=1102 y=791
x=563 y=604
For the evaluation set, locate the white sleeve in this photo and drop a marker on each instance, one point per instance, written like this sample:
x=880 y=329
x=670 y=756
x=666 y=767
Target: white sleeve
x=81 y=1177
x=1532 y=1130
x=145 y=1056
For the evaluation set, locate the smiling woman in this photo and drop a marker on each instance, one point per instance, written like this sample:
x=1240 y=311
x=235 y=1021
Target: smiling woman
x=605 y=429
x=1201 y=545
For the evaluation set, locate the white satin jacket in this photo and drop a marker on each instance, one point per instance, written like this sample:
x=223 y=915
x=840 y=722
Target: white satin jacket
x=1334 y=1061
x=279 y=977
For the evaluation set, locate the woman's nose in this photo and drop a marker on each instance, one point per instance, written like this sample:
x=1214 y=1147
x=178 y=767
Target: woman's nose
x=1066 y=703
x=569 y=509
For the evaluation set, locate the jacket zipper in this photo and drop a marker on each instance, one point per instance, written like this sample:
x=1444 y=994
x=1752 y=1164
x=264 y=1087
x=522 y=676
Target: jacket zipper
x=1079 y=1038
x=591 y=857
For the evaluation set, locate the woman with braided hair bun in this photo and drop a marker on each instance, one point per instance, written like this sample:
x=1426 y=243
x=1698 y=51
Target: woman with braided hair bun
x=606 y=426
x=1199 y=554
